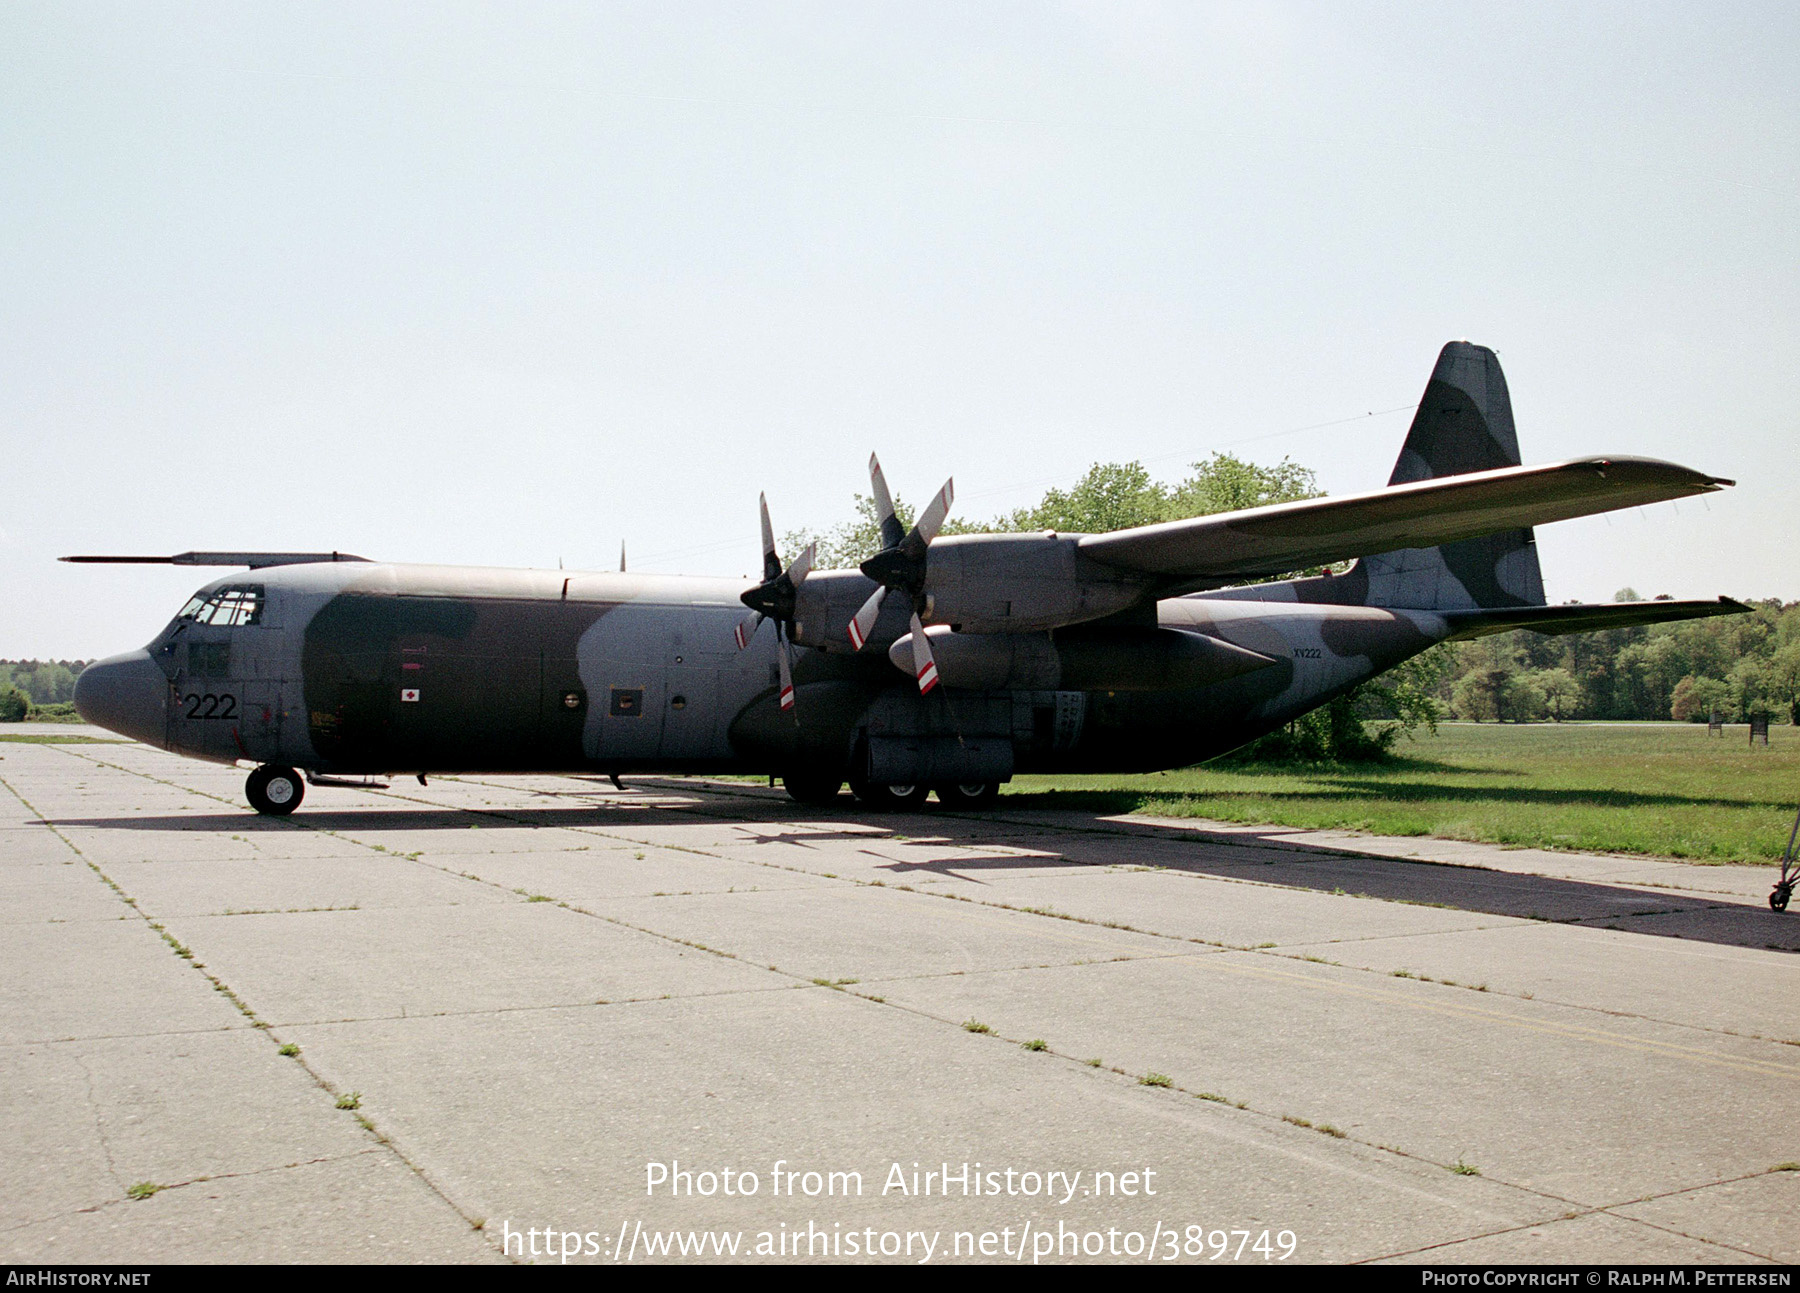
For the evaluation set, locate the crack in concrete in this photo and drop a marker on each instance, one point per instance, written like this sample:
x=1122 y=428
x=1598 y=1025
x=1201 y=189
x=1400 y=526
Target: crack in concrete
x=125 y=1199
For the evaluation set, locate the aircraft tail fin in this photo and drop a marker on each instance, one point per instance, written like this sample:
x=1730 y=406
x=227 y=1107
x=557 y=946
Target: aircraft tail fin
x=1464 y=424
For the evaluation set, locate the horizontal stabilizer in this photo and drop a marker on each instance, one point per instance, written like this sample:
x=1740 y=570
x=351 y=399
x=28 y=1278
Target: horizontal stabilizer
x=1208 y=551
x=255 y=560
x=1587 y=617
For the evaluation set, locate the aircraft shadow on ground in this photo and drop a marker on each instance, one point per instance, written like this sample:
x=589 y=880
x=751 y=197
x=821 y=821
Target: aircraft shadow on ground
x=1276 y=858
x=1115 y=801
x=1273 y=858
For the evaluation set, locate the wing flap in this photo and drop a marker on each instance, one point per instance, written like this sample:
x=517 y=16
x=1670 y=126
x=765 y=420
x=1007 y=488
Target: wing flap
x=1317 y=531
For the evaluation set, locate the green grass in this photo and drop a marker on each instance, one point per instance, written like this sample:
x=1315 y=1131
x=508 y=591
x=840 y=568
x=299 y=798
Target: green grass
x=1629 y=788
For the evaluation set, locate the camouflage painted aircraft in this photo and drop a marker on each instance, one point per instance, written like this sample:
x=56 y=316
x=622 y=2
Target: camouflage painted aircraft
x=1141 y=649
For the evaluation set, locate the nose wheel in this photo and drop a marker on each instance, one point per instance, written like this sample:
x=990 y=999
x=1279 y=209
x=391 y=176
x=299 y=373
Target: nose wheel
x=275 y=791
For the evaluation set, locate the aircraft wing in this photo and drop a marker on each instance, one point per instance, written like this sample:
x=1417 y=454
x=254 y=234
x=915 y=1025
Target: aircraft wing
x=1578 y=617
x=1229 y=546
x=255 y=560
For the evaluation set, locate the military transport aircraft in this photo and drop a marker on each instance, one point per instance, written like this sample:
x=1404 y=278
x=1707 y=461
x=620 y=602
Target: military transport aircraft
x=1141 y=649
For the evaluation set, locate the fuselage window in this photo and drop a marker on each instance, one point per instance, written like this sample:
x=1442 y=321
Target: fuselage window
x=238 y=604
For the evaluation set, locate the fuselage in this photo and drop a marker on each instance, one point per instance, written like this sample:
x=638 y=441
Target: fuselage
x=366 y=668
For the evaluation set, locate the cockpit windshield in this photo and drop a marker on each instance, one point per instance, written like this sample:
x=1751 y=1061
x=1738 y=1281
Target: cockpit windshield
x=234 y=604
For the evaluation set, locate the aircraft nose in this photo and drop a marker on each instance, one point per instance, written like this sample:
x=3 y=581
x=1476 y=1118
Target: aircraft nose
x=126 y=694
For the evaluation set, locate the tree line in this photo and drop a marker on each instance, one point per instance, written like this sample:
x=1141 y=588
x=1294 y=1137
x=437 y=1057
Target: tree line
x=32 y=686
x=1734 y=666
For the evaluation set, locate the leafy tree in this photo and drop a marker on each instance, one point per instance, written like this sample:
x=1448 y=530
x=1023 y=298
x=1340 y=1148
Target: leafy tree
x=1783 y=678
x=1560 y=691
x=1109 y=496
x=1485 y=689
x=1696 y=699
x=14 y=705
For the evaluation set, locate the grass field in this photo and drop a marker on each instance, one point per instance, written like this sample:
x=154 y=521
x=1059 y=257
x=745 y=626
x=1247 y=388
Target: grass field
x=1666 y=790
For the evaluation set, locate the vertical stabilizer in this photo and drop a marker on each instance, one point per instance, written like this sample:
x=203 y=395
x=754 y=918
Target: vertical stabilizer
x=1464 y=424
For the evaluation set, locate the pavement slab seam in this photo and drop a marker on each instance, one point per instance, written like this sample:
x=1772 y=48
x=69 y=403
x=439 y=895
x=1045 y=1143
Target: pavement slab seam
x=540 y=1007
x=27 y=1043
x=1420 y=1255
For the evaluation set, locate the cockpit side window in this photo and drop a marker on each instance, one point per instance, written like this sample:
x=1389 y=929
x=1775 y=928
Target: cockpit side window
x=232 y=605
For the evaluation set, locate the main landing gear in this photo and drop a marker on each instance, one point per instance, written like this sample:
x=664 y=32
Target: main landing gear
x=275 y=791
x=819 y=791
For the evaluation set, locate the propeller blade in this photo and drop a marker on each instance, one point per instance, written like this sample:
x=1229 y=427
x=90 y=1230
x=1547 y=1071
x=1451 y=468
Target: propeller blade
x=802 y=566
x=924 y=667
x=787 y=673
x=892 y=532
x=930 y=520
x=864 y=619
x=771 y=562
x=746 y=628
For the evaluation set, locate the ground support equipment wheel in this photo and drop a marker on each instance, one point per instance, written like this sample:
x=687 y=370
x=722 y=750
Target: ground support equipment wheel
x=812 y=789
x=979 y=794
x=1790 y=872
x=275 y=791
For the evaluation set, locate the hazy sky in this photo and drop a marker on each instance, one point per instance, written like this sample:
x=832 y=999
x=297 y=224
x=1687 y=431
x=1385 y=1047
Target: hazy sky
x=506 y=283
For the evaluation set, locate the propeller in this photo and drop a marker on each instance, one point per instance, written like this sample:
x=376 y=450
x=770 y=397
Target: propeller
x=775 y=599
x=900 y=567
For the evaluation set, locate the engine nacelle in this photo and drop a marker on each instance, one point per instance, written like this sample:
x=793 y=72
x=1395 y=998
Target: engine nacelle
x=1110 y=659
x=980 y=583
x=1020 y=583
x=827 y=600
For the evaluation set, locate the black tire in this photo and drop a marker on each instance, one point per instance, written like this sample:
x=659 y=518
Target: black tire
x=891 y=799
x=1778 y=900
x=980 y=794
x=275 y=791
x=811 y=789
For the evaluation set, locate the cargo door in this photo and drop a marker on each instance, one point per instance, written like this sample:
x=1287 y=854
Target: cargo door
x=623 y=658
x=700 y=650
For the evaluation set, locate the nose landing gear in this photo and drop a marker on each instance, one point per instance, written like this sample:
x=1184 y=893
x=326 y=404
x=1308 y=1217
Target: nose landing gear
x=274 y=791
